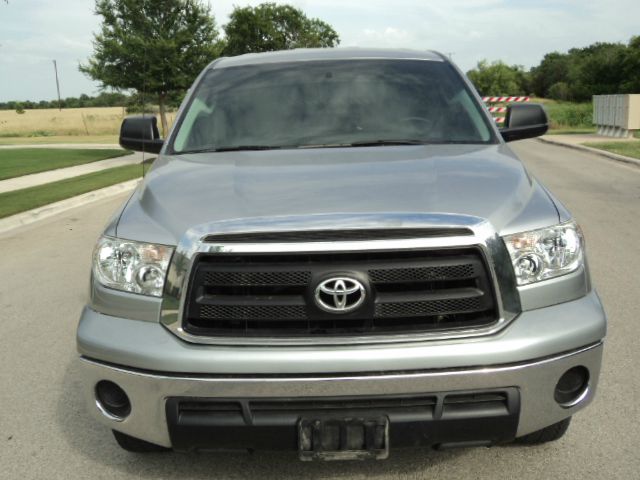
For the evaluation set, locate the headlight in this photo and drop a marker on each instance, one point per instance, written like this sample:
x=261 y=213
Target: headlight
x=546 y=253
x=131 y=266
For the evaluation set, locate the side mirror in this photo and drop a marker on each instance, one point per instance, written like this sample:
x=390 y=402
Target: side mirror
x=140 y=134
x=525 y=120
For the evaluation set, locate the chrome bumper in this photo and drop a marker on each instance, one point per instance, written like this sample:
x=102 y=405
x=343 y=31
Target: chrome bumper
x=148 y=391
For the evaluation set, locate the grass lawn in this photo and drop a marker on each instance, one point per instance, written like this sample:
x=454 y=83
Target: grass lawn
x=628 y=149
x=34 y=197
x=15 y=162
x=106 y=139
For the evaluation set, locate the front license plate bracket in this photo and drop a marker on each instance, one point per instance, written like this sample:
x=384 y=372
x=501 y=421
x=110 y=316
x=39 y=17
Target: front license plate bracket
x=349 y=438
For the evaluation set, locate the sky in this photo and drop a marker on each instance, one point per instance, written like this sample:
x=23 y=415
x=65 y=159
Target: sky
x=35 y=32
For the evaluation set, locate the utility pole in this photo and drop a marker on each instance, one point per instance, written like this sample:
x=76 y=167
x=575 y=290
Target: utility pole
x=55 y=67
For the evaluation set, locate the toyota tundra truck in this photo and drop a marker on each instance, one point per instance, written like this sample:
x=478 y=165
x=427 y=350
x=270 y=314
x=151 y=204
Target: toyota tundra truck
x=336 y=253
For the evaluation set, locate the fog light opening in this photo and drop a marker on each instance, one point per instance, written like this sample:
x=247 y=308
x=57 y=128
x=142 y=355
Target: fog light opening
x=112 y=401
x=572 y=387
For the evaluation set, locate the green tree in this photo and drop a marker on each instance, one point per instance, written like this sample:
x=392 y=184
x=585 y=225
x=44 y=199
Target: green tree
x=269 y=27
x=600 y=68
x=595 y=70
x=553 y=69
x=153 y=47
x=631 y=67
x=498 y=78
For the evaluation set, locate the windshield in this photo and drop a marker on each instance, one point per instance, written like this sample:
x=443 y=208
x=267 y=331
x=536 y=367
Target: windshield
x=331 y=103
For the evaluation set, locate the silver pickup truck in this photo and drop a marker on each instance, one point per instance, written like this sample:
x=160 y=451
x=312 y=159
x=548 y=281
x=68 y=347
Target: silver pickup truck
x=336 y=253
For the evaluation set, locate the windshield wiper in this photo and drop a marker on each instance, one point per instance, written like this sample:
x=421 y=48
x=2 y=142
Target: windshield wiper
x=375 y=143
x=234 y=148
x=239 y=148
x=363 y=143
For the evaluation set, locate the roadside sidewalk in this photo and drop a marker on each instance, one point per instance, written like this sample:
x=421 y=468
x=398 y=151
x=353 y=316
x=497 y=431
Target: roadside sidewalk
x=576 y=142
x=49 y=176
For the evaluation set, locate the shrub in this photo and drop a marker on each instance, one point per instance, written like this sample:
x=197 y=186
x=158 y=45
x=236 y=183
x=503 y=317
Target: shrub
x=564 y=114
x=560 y=91
x=138 y=108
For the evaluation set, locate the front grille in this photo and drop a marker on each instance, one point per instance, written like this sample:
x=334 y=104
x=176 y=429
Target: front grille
x=272 y=295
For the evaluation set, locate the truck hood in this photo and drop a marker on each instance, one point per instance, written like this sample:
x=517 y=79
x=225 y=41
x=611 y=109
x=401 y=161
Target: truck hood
x=315 y=186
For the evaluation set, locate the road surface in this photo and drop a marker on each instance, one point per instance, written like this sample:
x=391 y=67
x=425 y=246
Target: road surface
x=46 y=432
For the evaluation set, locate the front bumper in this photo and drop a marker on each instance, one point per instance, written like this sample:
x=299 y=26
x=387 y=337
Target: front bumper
x=534 y=382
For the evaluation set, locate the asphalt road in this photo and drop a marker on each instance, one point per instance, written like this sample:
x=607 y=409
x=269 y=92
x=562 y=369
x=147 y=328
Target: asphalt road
x=45 y=431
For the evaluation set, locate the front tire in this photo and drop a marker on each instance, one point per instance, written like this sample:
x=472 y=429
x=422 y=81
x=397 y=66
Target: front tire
x=547 y=434
x=135 y=445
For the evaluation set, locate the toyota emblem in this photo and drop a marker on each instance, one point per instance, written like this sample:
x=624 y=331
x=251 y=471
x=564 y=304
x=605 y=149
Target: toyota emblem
x=340 y=294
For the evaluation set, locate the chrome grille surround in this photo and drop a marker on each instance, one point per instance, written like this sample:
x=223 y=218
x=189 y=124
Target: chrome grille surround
x=484 y=237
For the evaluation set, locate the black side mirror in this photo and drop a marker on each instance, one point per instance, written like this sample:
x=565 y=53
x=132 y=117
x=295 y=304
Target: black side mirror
x=525 y=120
x=140 y=134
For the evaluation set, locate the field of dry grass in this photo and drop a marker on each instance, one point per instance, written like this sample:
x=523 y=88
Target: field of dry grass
x=60 y=139
x=78 y=122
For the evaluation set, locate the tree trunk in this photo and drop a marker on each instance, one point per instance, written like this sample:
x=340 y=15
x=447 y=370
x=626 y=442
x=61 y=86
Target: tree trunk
x=162 y=98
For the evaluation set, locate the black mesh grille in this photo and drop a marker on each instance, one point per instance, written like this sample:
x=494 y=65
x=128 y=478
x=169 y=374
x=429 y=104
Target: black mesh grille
x=273 y=295
x=257 y=278
x=436 y=307
x=393 y=275
x=252 y=312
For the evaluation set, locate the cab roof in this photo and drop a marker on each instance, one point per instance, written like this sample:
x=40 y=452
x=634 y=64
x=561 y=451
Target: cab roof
x=311 y=54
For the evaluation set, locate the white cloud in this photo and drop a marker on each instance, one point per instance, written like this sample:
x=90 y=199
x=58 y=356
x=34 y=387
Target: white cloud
x=389 y=37
x=33 y=32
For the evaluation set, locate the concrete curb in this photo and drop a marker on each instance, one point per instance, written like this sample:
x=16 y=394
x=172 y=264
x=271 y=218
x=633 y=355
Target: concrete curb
x=602 y=153
x=40 y=213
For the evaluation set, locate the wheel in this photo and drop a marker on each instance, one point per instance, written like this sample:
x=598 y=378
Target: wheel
x=547 y=434
x=132 y=444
